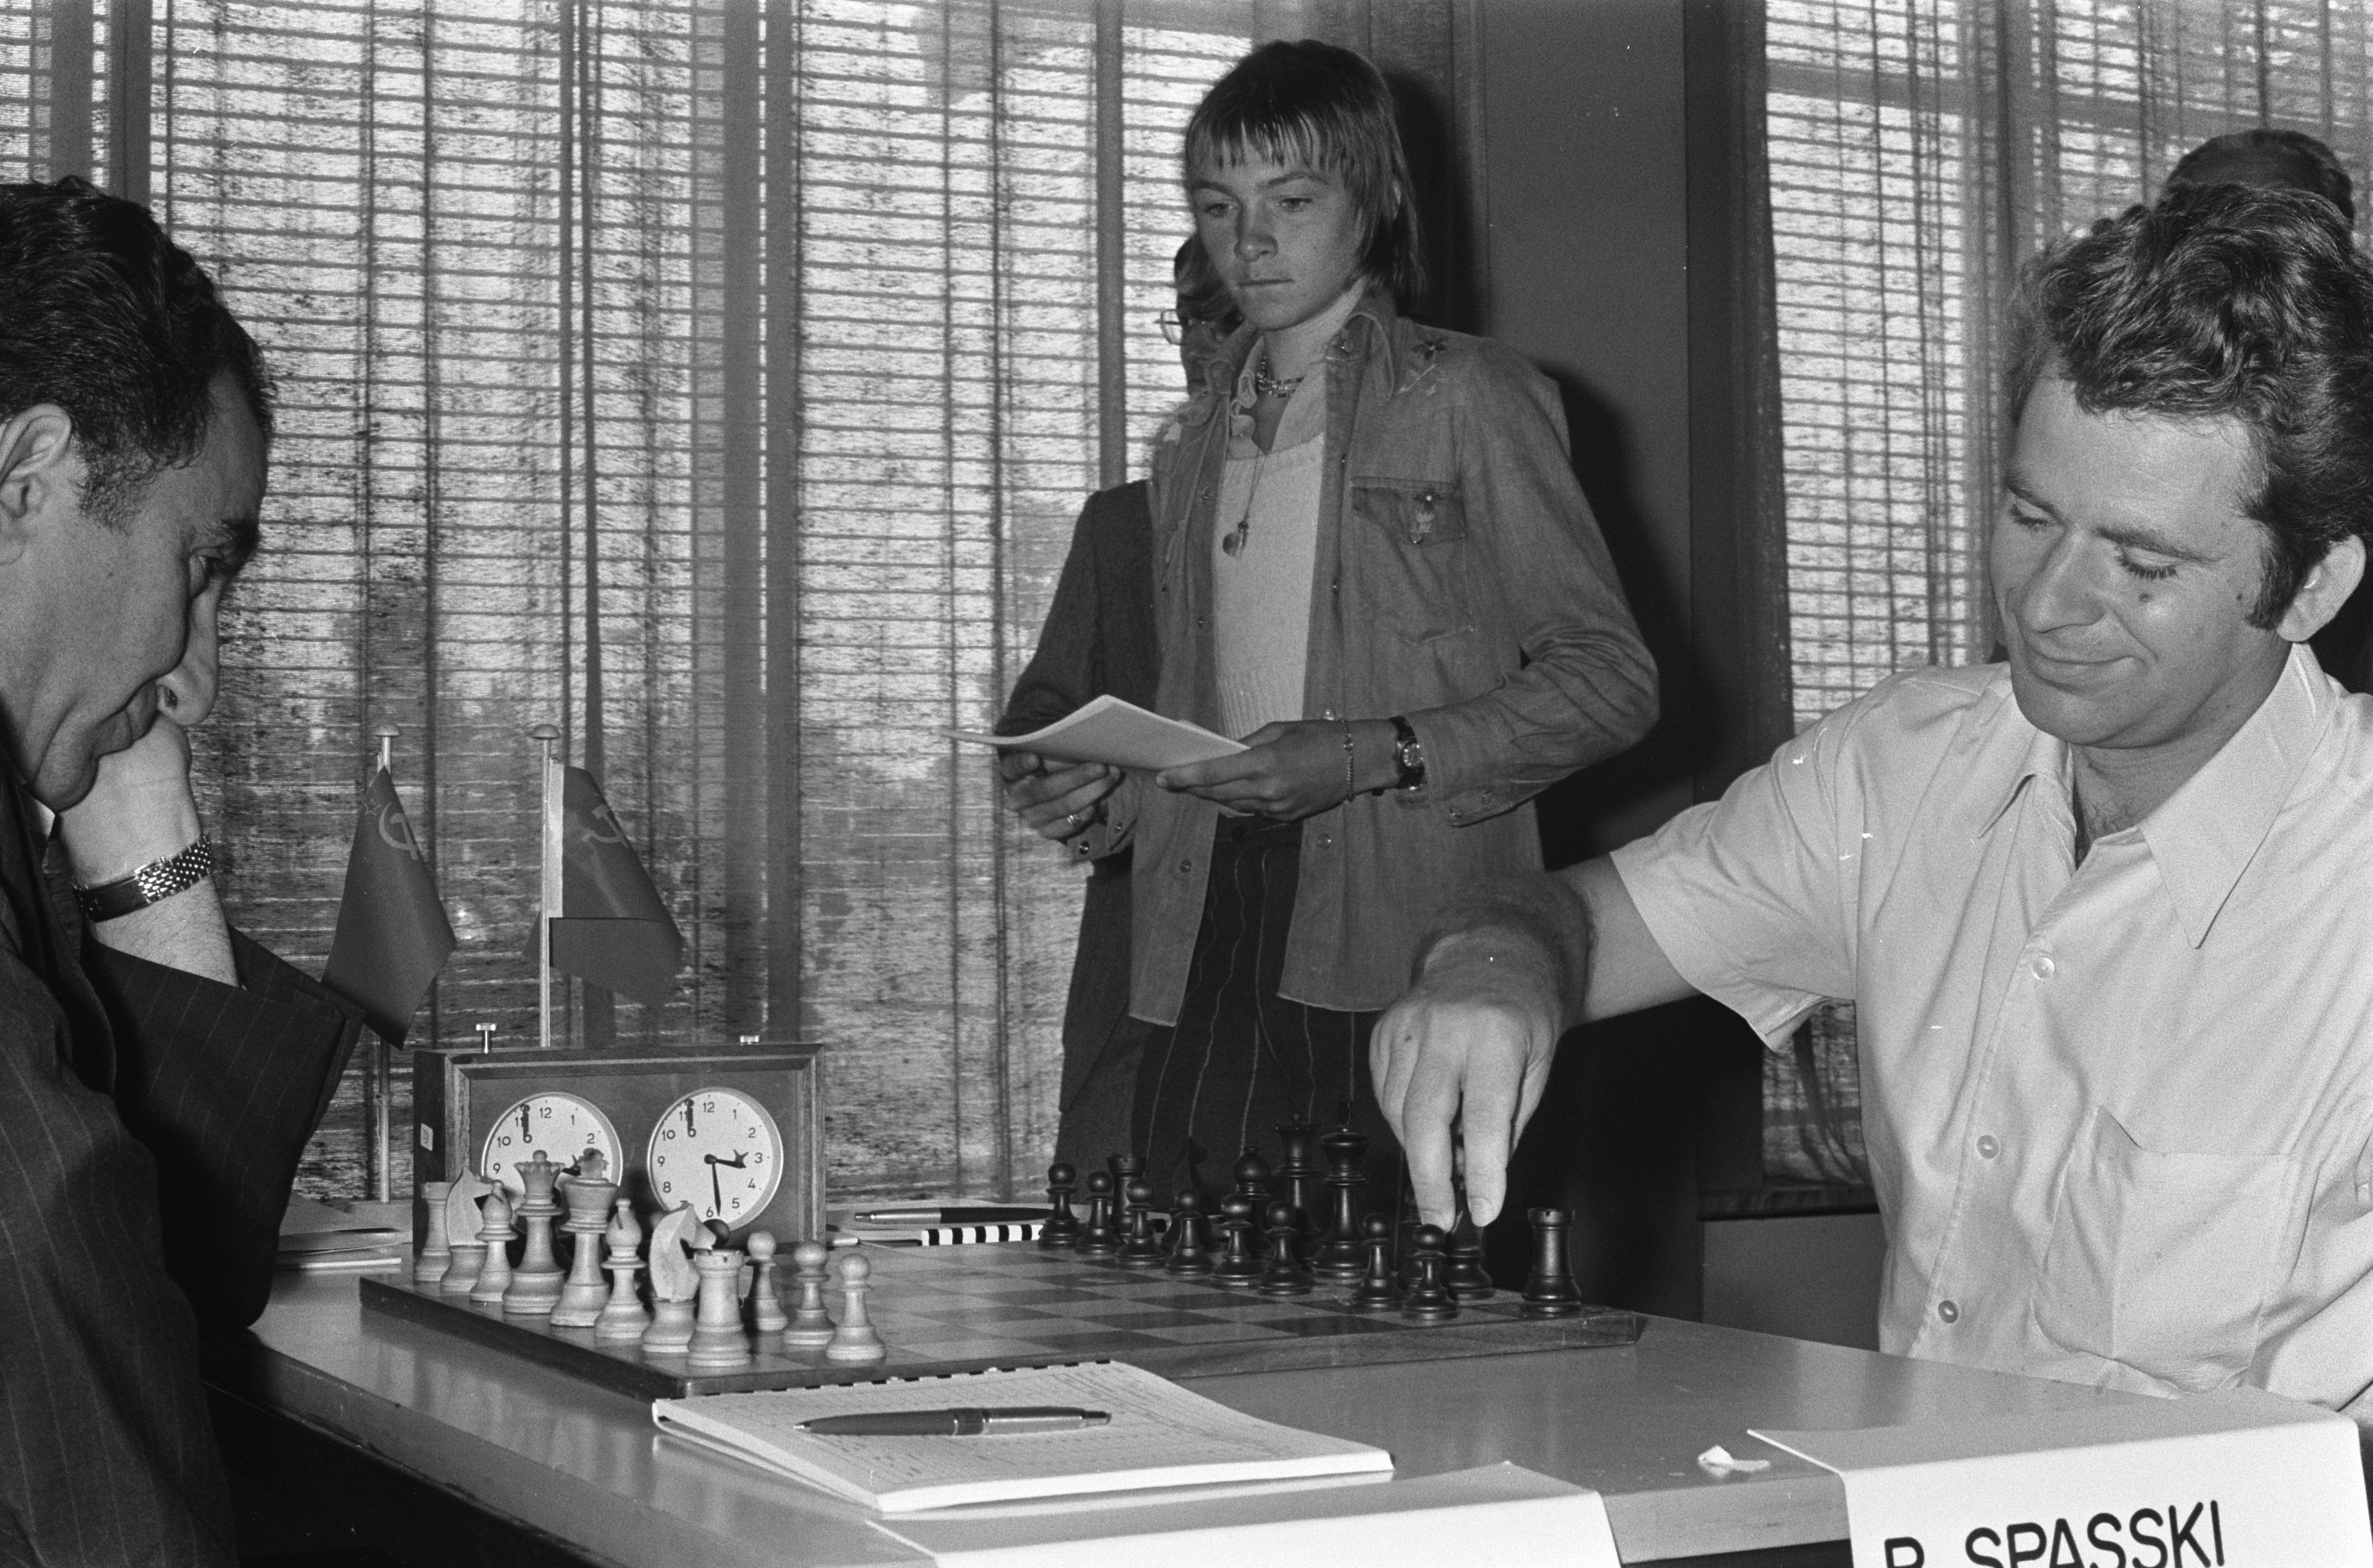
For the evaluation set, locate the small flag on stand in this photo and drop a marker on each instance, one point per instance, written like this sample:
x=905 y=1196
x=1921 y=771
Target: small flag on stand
x=392 y=934
x=612 y=927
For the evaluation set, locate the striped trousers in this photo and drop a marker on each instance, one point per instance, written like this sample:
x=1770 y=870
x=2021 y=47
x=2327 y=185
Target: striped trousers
x=1243 y=1060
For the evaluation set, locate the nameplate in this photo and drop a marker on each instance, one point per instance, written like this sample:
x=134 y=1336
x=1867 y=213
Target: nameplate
x=2238 y=1480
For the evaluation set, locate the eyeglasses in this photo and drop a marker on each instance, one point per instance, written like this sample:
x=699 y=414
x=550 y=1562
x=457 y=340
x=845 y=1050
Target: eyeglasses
x=1174 y=328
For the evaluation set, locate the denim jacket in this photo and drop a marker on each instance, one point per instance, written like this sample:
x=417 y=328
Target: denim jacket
x=1460 y=582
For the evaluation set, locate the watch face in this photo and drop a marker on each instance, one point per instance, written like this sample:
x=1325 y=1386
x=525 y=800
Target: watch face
x=563 y=1125
x=719 y=1151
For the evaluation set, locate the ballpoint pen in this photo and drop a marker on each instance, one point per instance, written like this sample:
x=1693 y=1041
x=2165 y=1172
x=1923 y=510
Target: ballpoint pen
x=973 y=1422
x=953 y=1214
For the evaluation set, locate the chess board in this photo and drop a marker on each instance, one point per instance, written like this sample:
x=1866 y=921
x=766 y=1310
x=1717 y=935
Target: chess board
x=949 y=1309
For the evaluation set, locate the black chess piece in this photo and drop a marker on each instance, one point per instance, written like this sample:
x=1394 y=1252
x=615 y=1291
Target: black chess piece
x=1239 y=1265
x=1464 y=1276
x=1062 y=1227
x=1252 y=1182
x=1140 y=1248
x=1549 y=1290
x=1297 y=1172
x=1379 y=1288
x=1125 y=1168
x=1099 y=1238
x=1189 y=1251
x=1341 y=1260
x=1429 y=1300
x=1284 y=1275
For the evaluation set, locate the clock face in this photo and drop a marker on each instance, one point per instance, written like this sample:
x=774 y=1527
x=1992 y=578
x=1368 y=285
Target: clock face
x=718 y=1149
x=563 y=1125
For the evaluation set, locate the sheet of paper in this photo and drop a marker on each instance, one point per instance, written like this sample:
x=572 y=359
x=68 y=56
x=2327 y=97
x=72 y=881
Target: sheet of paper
x=1161 y=1434
x=2235 y=1480
x=1498 y=1516
x=1108 y=729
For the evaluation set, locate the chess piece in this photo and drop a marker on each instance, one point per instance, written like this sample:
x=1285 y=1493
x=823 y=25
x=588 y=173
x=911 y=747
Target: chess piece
x=1099 y=1238
x=589 y=1197
x=1125 y=1168
x=429 y=1263
x=534 y=1289
x=1379 y=1287
x=1141 y=1248
x=718 y=1344
x=623 y=1317
x=810 y=1324
x=466 y=1253
x=495 y=1231
x=1252 y=1181
x=1297 y=1171
x=1062 y=1227
x=1549 y=1289
x=1238 y=1266
x=1341 y=1260
x=1189 y=1251
x=766 y=1300
x=1429 y=1300
x=675 y=1281
x=1464 y=1274
x=1284 y=1276
x=854 y=1340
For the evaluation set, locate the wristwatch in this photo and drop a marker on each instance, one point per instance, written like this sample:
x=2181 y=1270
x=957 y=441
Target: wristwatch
x=1408 y=754
x=155 y=881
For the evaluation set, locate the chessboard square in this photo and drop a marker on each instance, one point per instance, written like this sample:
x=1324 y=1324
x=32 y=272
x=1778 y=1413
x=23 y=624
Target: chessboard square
x=1050 y=1296
x=1137 y=1322
x=1268 y=1307
x=1108 y=1343
x=1064 y=1328
x=979 y=1347
x=1128 y=1313
x=1218 y=1333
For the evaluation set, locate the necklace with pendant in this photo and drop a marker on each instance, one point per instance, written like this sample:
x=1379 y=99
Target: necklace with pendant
x=1267 y=385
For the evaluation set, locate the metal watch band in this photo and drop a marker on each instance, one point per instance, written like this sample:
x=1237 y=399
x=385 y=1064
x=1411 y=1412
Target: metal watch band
x=156 y=880
x=1408 y=754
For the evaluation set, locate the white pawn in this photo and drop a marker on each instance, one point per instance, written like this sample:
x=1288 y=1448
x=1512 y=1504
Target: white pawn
x=811 y=1325
x=765 y=1300
x=854 y=1340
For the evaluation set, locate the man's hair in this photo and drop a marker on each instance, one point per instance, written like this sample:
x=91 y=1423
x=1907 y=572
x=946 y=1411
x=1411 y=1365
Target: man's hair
x=1315 y=104
x=104 y=316
x=2224 y=301
x=2292 y=158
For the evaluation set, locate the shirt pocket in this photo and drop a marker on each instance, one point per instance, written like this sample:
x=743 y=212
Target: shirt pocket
x=2163 y=1261
x=1411 y=551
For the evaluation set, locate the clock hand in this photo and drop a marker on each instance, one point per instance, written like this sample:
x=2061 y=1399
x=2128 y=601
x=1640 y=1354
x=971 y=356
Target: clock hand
x=524 y=1134
x=716 y=1193
x=739 y=1162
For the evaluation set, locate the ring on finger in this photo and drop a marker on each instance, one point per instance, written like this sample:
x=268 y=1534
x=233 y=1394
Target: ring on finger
x=1072 y=819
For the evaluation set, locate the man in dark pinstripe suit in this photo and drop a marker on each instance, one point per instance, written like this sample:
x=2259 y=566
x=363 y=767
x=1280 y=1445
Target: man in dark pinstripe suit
x=159 y=1073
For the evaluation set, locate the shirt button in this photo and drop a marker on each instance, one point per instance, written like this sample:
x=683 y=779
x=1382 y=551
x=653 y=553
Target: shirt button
x=1326 y=841
x=1327 y=714
x=1949 y=1311
x=1988 y=1147
x=1184 y=867
x=2040 y=966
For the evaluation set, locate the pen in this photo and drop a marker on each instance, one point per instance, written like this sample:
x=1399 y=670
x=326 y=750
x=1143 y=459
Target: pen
x=957 y=1215
x=973 y=1422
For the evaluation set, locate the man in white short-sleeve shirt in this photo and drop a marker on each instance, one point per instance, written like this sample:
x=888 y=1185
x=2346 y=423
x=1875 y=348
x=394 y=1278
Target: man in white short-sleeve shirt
x=2106 y=912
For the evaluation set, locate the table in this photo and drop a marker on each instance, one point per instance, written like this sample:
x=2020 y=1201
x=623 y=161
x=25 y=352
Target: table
x=435 y=1449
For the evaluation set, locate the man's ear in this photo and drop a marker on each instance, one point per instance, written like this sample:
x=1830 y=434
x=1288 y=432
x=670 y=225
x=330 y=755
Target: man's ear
x=2326 y=588
x=40 y=472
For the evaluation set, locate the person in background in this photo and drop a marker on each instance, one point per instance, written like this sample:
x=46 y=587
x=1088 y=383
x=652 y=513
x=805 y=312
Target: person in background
x=159 y=1073
x=2100 y=910
x=2272 y=159
x=1373 y=563
x=1099 y=638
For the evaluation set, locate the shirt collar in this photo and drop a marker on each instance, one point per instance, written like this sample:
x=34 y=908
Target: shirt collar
x=1352 y=301
x=2204 y=836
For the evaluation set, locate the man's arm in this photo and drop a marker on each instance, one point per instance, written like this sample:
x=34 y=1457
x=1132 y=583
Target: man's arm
x=1472 y=1040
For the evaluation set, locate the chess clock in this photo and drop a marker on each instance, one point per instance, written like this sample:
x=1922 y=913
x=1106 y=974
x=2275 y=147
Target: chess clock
x=735 y=1130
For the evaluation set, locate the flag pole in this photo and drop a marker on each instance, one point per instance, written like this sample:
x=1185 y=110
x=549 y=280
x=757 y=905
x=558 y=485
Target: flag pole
x=382 y=1074
x=548 y=894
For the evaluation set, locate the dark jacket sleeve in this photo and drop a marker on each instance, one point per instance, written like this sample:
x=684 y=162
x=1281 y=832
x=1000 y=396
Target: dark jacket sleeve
x=223 y=1085
x=1067 y=669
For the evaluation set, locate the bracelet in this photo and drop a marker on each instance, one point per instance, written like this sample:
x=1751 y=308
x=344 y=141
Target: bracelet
x=157 y=880
x=1350 y=777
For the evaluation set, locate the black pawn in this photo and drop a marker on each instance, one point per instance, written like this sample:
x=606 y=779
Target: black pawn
x=1429 y=1300
x=1340 y=1259
x=1189 y=1252
x=1142 y=1248
x=1239 y=1265
x=1378 y=1287
x=1099 y=1238
x=1062 y=1227
x=1466 y=1276
x=1252 y=1182
x=1285 y=1276
x=1549 y=1290
x=1297 y=1172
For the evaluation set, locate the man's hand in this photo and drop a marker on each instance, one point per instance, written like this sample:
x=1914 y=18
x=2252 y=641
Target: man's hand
x=1055 y=799
x=1290 y=771
x=1469 y=1044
